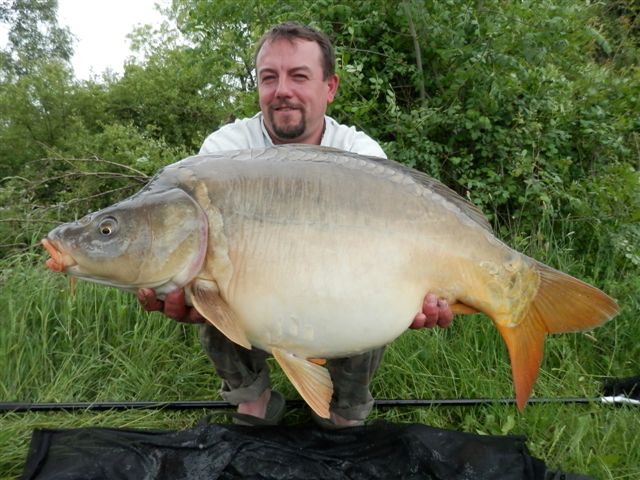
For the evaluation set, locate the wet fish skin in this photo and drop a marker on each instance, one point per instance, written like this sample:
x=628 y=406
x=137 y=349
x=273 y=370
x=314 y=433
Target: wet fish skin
x=309 y=252
x=135 y=243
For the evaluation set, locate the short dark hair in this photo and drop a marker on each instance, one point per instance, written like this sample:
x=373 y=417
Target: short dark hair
x=292 y=31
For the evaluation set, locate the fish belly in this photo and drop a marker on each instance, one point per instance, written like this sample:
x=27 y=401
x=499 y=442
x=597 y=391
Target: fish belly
x=325 y=293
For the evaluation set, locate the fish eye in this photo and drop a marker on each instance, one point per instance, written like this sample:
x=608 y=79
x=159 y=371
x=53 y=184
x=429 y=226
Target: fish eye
x=107 y=226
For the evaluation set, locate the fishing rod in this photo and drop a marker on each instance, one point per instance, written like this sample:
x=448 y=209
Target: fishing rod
x=22 y=407
x=616 y=391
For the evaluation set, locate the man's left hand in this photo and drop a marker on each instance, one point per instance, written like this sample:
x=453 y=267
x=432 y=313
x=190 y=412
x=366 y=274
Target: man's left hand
x=435 y=312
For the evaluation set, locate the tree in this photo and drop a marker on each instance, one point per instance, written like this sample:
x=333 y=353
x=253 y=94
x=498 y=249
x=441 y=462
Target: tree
x=525 y=108
x=171 y=95
x=34 y=81
x=511 y=104
x=34 y=36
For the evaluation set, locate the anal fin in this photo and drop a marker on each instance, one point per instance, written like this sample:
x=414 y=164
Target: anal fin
x=206 y=299
x=312 y=381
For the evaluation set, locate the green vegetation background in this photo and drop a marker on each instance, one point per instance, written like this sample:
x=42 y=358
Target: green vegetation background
x=529 y=109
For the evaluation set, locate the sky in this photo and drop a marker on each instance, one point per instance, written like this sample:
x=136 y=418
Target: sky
x=100 y=28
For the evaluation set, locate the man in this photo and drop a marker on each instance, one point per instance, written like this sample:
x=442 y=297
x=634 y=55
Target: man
x=295 y=67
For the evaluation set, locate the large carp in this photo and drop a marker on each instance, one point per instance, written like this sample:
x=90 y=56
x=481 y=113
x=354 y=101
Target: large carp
x=308 y=252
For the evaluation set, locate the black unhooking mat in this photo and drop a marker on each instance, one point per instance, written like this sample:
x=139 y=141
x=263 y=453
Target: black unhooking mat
x=221 y=451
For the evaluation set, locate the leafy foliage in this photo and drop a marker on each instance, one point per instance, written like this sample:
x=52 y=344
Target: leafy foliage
x=525 y=108
x=529 y=109
x=33 y=36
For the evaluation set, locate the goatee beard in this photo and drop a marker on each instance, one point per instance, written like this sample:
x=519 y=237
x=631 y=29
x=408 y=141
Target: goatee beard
x=288 y=132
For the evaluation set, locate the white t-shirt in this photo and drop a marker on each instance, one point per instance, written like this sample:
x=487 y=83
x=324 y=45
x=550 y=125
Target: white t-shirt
x=251 y=133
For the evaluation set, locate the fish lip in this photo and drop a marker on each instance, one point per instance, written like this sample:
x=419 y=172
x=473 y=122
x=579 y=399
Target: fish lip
x=58 y=261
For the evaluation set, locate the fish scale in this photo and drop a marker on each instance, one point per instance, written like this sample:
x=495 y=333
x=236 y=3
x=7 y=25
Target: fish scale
x=309 y=252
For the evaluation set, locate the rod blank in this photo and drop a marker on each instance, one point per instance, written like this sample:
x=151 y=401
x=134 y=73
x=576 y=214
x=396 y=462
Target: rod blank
x=20 y=407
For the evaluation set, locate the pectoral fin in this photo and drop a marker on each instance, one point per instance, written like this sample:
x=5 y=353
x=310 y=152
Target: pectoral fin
x=206 y=299
x=312 y=381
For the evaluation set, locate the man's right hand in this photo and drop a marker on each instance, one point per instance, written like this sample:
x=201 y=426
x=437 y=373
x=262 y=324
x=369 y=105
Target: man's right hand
x=173 y=305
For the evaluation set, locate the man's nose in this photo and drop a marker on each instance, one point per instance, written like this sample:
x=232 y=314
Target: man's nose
x=283 y=88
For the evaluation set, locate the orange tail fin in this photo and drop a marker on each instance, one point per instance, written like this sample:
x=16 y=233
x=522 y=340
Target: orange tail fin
x=562 y=304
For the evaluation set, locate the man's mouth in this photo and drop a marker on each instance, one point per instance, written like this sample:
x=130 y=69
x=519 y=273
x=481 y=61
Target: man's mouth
x=285 y=108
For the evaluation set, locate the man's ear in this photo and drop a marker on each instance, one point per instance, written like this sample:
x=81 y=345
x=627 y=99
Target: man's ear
x=332 y=83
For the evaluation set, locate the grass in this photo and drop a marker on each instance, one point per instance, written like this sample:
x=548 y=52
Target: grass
x=97 y=345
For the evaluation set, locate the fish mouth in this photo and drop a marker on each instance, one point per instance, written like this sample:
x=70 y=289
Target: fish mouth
x=58 y=261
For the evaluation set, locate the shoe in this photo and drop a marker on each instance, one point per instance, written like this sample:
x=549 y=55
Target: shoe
x=275 y=412
x=328 y=424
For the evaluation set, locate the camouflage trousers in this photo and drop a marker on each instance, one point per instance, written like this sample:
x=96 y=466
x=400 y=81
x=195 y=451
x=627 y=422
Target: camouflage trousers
x=245 y=374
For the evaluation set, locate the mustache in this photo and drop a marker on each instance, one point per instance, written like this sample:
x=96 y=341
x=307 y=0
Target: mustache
x=275 y=106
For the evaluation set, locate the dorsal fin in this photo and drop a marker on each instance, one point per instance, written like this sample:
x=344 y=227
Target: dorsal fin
x=459 y=201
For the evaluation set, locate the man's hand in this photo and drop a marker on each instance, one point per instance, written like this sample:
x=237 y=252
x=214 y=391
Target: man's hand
x=173 y=305
x=435 y=312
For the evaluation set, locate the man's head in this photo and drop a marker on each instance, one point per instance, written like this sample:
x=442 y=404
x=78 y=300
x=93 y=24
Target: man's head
x=295 y=68
x=294 y=31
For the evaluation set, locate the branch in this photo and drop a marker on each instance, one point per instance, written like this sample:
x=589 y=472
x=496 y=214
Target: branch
x=92 y=174
x=95 y=159
x=416 y=46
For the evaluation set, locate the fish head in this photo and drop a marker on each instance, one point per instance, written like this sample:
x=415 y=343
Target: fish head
x=152 y=239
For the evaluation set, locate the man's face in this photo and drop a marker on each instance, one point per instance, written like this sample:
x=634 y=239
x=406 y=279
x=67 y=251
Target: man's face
x=293 y=94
